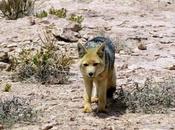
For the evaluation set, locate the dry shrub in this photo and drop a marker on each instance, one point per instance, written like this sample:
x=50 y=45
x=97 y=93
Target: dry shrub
x=48 y=64
x=13 y=9
x=16 y=110
x=152 y=97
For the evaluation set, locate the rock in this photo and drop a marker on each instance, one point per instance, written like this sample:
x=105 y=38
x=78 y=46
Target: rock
x=171 y=67
x=169 y=2
x=124 y=66
x=45 y=22
x=122 y=52
x=107 y=28
x=135 y=54
x=32 y=21
x=138 y=38
x=166 y=41
x=5 y=50
x=4 y=57
x=1 y=127
x=67 y=36
x=4 y=66
x=74 y=27
x=108 y=128
x=48 y=127
x=157 y=36
x=72 y=119
x=12 y=45
x=142 y=47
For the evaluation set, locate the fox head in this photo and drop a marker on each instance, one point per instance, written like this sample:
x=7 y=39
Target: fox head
x=91 y=60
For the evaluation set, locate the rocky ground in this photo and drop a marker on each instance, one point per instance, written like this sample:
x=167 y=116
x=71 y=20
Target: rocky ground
x=144 y=34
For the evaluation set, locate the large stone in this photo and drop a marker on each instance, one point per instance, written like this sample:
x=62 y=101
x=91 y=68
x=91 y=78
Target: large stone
x=74 y=27
x=67 y=36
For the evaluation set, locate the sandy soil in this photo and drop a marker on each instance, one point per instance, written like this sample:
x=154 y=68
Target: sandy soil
x=128 y=23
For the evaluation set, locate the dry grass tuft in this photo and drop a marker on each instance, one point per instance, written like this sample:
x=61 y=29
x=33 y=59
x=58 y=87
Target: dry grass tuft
x=48 y=64
x=14 y=110
x=152 y=97
x=13 y=9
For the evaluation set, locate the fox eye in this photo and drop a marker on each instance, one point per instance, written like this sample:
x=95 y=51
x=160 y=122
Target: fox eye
x=85 y=64
x=95 y=64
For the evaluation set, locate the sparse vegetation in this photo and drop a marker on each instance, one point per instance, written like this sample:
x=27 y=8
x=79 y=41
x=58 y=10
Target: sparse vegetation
x=61 y=13
x=76 y=18
x=14 y=110
x=49 y=64
x=41 y=14
x=7 y=87
x=152 y=97
x=13 y=9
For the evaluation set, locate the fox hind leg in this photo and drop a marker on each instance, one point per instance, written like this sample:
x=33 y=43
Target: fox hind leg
x=111 y=85
x=101 y=91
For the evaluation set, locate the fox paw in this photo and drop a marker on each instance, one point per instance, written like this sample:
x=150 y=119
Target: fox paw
x=94 y=99
x=87 y=109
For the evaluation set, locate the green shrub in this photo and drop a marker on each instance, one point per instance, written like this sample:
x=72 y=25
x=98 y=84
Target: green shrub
x=76 y=18
x=61 y=13
x=7 y=87
x=13 y=9
x=41 y=14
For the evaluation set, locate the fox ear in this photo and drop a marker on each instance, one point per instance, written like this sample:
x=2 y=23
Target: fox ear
x=101 y=50
x=81 y=50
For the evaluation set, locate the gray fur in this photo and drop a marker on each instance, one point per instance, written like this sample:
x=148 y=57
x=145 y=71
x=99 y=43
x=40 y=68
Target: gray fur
x=109 y=51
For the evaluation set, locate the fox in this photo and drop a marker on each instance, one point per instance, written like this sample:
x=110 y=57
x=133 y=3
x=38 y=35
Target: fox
x=97 y=58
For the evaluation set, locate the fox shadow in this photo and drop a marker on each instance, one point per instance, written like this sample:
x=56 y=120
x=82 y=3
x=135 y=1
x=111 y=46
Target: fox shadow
x=114 y=108
x=116 y=105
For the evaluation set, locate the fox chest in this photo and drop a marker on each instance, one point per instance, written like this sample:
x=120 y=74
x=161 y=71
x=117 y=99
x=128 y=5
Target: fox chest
x=101 y=77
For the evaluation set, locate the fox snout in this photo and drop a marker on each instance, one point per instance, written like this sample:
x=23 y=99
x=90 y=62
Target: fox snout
x=90 y=71
x=91 y=74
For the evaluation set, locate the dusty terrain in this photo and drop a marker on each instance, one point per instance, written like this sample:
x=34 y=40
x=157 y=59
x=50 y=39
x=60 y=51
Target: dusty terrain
x=128 y=23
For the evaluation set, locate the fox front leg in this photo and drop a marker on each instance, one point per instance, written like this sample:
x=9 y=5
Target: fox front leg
x=87 y=95
x=94 y=98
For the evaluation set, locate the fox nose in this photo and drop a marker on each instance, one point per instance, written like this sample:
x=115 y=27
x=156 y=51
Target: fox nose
x=91 y=74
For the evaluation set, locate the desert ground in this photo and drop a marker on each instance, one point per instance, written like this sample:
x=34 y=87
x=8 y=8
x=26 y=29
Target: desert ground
x=129 y=24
